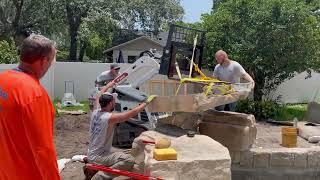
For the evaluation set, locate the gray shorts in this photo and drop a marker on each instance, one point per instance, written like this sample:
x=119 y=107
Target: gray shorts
x=116 y=160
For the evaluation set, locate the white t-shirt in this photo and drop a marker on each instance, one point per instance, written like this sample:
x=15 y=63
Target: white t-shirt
x=100 y=139
x=232 y=73
x=106 y=76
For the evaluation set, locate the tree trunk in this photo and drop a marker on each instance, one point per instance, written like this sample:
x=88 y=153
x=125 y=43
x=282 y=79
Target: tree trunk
x=259 y=85
x=257 y=94
x=73 y=45
x=74 y=19
x=18 y=7
x=83 y=47
x=73 y=31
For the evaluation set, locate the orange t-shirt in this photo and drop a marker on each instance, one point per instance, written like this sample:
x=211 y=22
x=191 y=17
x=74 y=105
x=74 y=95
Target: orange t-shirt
x=26 y=129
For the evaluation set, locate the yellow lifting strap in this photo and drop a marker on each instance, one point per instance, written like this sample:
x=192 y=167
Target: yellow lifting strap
x=224 y=89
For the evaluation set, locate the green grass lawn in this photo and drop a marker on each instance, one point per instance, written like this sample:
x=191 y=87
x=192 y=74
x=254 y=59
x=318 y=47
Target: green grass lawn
x=57 y=104
x=288 y=112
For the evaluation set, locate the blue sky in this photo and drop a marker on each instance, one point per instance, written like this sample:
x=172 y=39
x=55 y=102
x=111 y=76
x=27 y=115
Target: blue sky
x=194 y=8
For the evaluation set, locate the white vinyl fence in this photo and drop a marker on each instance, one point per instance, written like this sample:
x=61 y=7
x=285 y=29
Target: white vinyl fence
x=82 y=75
x=47 y=81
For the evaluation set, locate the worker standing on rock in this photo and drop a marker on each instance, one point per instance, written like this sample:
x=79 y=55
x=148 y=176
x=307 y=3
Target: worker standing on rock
x=103 y=79
x=103 y=122
x=26 y=115
x=229 y=71
x=108 y=76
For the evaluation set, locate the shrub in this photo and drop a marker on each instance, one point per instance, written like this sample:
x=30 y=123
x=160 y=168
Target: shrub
x=260 y=109
x=8 y=52
x=62 y=55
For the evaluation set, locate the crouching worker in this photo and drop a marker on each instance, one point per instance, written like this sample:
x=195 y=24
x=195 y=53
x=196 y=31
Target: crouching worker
x=103 y=122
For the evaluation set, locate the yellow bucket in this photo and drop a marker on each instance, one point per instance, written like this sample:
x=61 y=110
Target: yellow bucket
x=289 y=137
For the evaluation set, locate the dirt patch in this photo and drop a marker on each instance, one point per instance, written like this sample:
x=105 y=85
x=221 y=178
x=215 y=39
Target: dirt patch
x=73 y=171
x=269 y=136
x=72 y=137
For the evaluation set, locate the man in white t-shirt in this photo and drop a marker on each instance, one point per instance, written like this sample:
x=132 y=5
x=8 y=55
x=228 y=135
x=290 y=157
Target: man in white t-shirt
x=107 y=76
x=103 y=79
x=229 y=71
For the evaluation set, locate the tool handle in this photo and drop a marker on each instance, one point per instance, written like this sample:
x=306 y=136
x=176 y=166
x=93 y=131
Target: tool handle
x=148 y=142
x=121 y=172
x=120 y=77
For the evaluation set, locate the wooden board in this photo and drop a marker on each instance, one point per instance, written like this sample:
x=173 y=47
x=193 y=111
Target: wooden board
x=192 y=102
x=180 y=103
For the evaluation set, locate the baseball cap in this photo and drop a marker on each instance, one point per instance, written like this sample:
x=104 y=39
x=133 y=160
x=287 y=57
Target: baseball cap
x=114 y=66
x=114 y=95
x=106 y=98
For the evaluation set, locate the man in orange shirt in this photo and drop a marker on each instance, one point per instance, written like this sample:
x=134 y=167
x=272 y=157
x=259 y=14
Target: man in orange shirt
x=26 y=116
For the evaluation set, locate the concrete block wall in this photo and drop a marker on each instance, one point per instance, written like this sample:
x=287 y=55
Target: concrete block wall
x=276 y=163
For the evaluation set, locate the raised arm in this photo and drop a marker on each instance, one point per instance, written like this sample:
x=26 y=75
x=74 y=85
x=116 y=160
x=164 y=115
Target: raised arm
x=103 y=90
x=124 y=116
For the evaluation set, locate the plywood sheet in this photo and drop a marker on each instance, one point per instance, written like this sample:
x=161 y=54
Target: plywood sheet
x=180 y=103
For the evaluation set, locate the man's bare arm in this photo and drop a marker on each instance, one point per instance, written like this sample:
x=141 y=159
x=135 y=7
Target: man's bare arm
x=124 y=116
x=247 y=77
x=103 y=90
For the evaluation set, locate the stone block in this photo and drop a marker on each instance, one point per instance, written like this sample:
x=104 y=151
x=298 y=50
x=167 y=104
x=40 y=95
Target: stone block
x=236 y=131
x=261 y=159
x=232 y=118
x=274 y=177
x=242 y=176
x=235 y=157
x=281 y=159
x=139 y=149
x=313 y=159
x=313 y=112
x=246 y=159
x=199 y=158
x=193 y=102
x=183 y=120
x=302 y=177
x=300 y=159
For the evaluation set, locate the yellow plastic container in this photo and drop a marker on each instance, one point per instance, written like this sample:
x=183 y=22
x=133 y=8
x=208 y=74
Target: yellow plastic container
x=165 y=154
x=289 y=137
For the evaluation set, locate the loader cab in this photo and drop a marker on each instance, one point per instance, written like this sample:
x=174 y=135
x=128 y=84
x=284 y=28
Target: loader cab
x=179 y=48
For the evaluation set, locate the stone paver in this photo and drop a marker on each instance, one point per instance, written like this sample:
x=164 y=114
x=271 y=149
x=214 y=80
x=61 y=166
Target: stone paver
x=269 y=136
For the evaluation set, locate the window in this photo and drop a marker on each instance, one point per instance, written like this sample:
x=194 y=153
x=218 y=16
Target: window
x=132 y=59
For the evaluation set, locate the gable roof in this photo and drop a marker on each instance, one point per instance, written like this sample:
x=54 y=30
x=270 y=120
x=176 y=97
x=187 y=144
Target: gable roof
x=132 y=41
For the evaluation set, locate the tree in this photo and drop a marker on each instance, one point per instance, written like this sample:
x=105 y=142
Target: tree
x=10 y=15
x=76 y=10
x=131 y=14
x=146 y=15
x=272 y=39
x=38 y=15
x=216 y=3
x=85 y=23
x=96 y=34
x=8 y=52
x=151 y=15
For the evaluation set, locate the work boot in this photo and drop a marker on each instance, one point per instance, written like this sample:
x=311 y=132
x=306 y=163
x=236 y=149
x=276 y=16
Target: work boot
x=89 y=173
